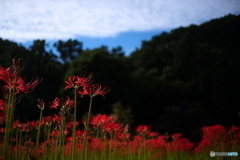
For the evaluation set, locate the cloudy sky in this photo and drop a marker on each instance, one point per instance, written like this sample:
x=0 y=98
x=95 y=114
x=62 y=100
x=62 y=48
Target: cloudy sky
x=104 y=22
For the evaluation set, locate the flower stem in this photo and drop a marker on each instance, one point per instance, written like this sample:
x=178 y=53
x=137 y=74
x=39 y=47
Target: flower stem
x=87 y=127
x=38 y=133
x=74 y=124
x=9 y=120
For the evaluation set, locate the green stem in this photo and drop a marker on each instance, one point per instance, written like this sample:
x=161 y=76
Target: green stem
x=110 y=147
x=87 y=127
x=74 y=125
x=38 y=133
x=9 y=120
x=94 y=146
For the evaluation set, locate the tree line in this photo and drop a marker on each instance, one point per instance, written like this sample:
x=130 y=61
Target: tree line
x=175 y=82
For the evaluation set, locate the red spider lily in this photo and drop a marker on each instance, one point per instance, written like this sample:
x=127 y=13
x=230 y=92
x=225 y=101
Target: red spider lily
x=55 y=103
x=71 y=124
x=47 y=121
x=176 y=136
x=152 y=134
x=2 y=112
x=77 y=81
x=123 y=136
x=55 y=133
x=7 y=73
x=211 y=136
x=20 y=86
x=112 y=127
x=66 y=132
x=13 y=81
x=160 y=142
x=80 y=134
x=232 y=129
x=17 y=124
x=33 y=124
x=179 y=143
x=94 y=90
x=96 y=143
x=24 y=127
x=85 y=80
x=56 y=118
x=41 y=104
x=143 y=129
x=2 y=117
x=2 y=130
x=3 y=73
x=72 y=82
x=2 y=103
x=102 y=119
x=69 y=102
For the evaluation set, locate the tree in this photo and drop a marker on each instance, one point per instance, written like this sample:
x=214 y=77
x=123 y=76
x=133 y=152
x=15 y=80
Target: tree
x=69 y=49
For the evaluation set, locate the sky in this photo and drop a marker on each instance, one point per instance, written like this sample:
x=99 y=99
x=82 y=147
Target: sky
x=111 y=23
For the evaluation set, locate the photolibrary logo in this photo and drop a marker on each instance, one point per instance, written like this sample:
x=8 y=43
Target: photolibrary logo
x=212 y=154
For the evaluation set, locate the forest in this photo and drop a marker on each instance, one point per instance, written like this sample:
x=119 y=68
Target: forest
x=175 y=82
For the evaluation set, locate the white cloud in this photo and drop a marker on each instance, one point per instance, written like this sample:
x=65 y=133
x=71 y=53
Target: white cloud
x=62 y=19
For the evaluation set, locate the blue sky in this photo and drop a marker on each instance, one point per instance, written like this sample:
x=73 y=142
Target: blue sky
x=104 y=22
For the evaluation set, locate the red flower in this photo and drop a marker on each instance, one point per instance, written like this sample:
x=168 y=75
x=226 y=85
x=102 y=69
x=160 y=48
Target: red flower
x=123 y=136
x=2 y=130
x=71 y=82
x=80 y=134
x=56 y=118
x=4 y=74
x=179 y=143
x=20 y=86
x=232 y=129
x=55 y=133
x=47 y=121
x=152 y=134
x=2 y=111
x=33 y=124
x=101 y=119
x=17 y=124
x=112 y=127
x=2 y=104
x=69 y=102
x=55 y=103
x=94 y=90
x=22 y=126
x=211 y=136
x=27 y=88
x=71 y=124
x=143 y=129
x=11 y=77
x=41 y=104
x=77 y=81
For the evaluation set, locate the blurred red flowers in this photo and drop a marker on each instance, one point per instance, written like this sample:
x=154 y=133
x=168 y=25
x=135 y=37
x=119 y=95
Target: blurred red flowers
x=78 y=81
x=94 y=90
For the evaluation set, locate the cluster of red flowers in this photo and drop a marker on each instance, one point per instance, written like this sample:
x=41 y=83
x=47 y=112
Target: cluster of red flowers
x=85 y=86
x=220 y=136
x=11 y=76
x=121 y=139
x=57 y=103
x=29 y=125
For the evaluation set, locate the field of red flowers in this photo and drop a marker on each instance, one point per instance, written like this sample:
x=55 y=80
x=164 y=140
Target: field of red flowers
x=62 y=137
